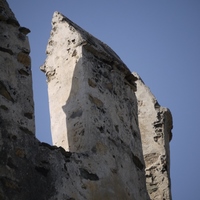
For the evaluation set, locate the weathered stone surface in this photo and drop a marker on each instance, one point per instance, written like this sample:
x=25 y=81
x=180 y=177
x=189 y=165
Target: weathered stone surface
x=24 y=59
x=15 y=84
x=6 y=13
x=94 y=115
x=155 y=124
x=93 y=111
x=89 y=76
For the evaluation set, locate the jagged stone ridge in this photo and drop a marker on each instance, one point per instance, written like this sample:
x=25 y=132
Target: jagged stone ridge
x=112 y=138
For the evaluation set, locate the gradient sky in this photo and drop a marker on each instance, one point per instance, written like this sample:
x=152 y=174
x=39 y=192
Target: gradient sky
x=158 y=39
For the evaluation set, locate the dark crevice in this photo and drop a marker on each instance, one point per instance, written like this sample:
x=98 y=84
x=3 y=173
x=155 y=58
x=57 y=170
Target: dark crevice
x=4 y=92
x=23 y=72
x=87 y=175
x=6 y=50
x=28 y=115
x=42 y=170
x=25 y=130
x=137 y=162
x=4 y=107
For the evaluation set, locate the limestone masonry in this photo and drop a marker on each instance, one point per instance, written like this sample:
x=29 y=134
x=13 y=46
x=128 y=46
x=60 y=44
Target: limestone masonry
x=155 y=123
x=110 y=135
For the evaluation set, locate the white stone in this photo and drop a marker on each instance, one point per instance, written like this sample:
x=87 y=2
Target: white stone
x=93 y=111
x=155 y=124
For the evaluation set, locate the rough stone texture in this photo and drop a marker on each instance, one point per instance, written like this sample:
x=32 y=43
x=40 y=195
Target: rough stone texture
x=84 y=76
x=93 y=110
x=155 y=124
x=16 y=98
x=96 y=111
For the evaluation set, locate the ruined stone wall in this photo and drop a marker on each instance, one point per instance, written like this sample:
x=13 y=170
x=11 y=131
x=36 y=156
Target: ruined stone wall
x=155 y=124
x=16 y=98
x=94 y=121
x=93 y=109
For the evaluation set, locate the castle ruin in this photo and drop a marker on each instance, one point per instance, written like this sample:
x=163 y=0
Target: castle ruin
x=110 y=135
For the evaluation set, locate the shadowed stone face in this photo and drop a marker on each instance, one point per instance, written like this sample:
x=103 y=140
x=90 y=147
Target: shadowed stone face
x=94 y=116
x=16 y=98
x=93 y=111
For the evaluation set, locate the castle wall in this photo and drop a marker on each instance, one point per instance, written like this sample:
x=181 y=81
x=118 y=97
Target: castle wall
x=98 y=148
x=93 y=109
x=155 y=124
x=16 y=96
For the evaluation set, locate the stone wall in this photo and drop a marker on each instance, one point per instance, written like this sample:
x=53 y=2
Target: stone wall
x=16 y=98
x=155 y=124
x=93 y=109
x=95 y=127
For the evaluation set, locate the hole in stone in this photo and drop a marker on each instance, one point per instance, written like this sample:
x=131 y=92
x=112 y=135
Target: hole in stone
x=28 y=115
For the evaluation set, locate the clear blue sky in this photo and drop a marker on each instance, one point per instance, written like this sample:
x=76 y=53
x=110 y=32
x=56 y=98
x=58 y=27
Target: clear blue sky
x=159 y=39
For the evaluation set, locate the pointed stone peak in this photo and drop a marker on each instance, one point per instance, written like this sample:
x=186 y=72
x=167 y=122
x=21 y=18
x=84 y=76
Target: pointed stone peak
x=87 y=38
x=73 y=36
x=155 y=123
x=146 y=89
